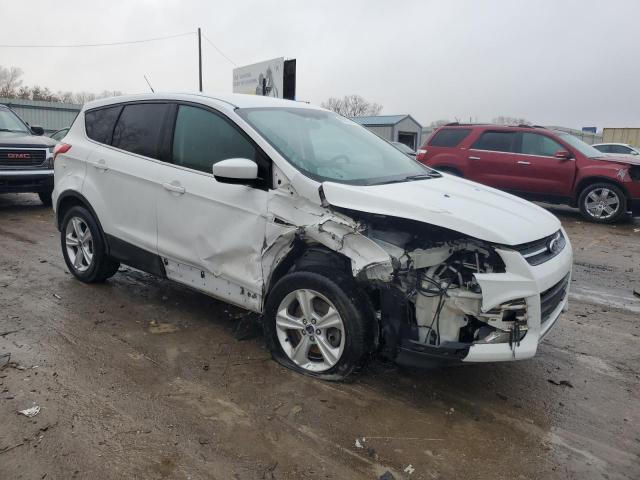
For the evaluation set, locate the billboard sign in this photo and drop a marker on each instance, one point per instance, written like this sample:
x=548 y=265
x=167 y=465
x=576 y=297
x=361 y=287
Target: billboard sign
x=272 y=78
x=264 y=78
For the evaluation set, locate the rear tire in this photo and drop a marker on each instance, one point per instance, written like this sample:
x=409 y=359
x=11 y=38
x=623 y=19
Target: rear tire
x=335 y=335
x=45 y=198
x=83 y=247
x=602 y=203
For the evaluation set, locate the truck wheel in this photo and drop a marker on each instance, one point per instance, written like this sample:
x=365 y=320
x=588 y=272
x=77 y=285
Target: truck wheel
x=83 y=247
x=45 y=197
x=602 y=203
x=317 y=322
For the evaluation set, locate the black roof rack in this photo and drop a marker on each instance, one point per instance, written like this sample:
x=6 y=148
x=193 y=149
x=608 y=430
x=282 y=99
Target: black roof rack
x=522 y=125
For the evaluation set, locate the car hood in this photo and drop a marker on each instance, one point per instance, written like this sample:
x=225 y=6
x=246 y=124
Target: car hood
x=451 y=202
x=13 y=139
x=625 y=159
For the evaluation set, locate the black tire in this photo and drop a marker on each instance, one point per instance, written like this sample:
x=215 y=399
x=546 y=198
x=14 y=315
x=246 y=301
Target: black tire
x=102 y=266
x=354 y=309
x=615 y=190
x=45 y=197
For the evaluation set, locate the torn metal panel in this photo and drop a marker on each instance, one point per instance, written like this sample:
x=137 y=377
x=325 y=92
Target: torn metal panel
x=289 y=217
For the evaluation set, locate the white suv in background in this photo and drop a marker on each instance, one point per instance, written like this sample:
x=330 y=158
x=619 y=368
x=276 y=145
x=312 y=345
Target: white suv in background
x=344 y=244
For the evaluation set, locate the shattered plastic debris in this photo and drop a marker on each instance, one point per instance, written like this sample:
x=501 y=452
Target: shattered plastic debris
x=360 y=444
x=409 y=469
x=30 y=412
x=57 y=296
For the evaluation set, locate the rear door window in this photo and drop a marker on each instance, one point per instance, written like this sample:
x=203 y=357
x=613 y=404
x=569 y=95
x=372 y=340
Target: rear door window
x=140 y=127
x=449 y=137
x=496 y=141
x=99 y=123
x=541 y=145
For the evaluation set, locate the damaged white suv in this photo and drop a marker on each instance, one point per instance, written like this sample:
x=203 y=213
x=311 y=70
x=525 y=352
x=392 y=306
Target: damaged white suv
x=345 y=245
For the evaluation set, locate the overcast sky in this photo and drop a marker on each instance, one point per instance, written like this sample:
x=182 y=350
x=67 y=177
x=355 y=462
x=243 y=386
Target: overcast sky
x=572 y=63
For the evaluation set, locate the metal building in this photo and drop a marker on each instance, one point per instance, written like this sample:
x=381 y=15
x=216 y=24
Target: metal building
x=622 y=135
x=394 y=128
x=52 y=116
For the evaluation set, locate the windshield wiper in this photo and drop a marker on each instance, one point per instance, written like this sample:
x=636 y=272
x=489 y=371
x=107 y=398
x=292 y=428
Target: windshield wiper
x=410 y=178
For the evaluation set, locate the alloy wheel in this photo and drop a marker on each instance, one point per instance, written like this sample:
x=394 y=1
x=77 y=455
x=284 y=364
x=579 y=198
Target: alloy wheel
x=602 y=203
x=79 y=244
x=310 y=330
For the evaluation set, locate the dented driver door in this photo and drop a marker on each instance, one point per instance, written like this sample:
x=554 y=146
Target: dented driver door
x=210 y=234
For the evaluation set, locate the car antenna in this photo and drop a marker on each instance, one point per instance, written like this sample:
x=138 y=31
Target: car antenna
x=149 y=83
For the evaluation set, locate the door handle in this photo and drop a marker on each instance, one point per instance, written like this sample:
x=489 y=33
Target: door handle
x=101 y=165
x=474 y=158
x=172 y=187
x=522 y=162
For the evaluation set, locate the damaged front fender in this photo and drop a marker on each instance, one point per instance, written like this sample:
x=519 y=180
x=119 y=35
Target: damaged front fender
x=290 y=219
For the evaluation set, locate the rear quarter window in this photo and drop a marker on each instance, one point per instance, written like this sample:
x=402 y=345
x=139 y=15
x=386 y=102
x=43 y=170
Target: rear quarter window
x=449 y=137
x=99 y=123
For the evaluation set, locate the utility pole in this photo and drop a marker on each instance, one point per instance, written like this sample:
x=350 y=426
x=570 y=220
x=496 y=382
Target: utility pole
x=200 y=57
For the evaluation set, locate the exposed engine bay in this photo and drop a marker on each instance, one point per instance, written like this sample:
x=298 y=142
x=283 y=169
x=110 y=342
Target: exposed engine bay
x=435 y=273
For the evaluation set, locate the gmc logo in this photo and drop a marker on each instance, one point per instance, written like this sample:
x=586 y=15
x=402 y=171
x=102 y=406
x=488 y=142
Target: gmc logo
x=18 y=155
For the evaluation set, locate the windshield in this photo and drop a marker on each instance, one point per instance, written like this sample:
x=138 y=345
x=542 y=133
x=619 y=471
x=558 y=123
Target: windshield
x=328 y=147
x=584 y=148
x=9 y=122
x=402 y=147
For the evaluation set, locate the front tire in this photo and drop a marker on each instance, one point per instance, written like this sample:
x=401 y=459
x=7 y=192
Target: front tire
x=319 y=323
x=83 y=247
x=602 y=203
x=45 y=197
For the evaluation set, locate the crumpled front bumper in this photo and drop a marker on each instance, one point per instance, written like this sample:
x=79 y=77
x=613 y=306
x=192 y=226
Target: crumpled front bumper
x=520 y=280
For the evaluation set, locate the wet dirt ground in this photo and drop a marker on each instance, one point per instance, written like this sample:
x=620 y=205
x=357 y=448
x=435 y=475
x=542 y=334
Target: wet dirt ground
x=142 y=378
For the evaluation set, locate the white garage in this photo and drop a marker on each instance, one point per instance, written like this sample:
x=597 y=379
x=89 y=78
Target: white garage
x=394 y=128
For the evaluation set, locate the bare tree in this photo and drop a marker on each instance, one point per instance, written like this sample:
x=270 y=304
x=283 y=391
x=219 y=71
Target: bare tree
x=439 y=123
x=11 y=87
x=10 y=81
x=24 y=93
x=503 y=120
x=352 y=106
x=65 y=97
x=83 y=97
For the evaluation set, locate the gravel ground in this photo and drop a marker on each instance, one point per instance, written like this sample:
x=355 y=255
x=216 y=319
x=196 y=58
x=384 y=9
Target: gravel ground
x=142 y=378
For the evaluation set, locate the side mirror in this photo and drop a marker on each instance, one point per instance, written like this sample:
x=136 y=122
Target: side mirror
x=634 y=152
x=37 y=130
x=563 y=155
x=235 y=170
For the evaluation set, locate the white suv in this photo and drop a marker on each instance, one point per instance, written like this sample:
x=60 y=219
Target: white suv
x=345 y=245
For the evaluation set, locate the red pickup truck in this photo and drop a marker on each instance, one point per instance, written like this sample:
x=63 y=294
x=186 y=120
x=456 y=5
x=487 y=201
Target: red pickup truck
x=539 y=164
